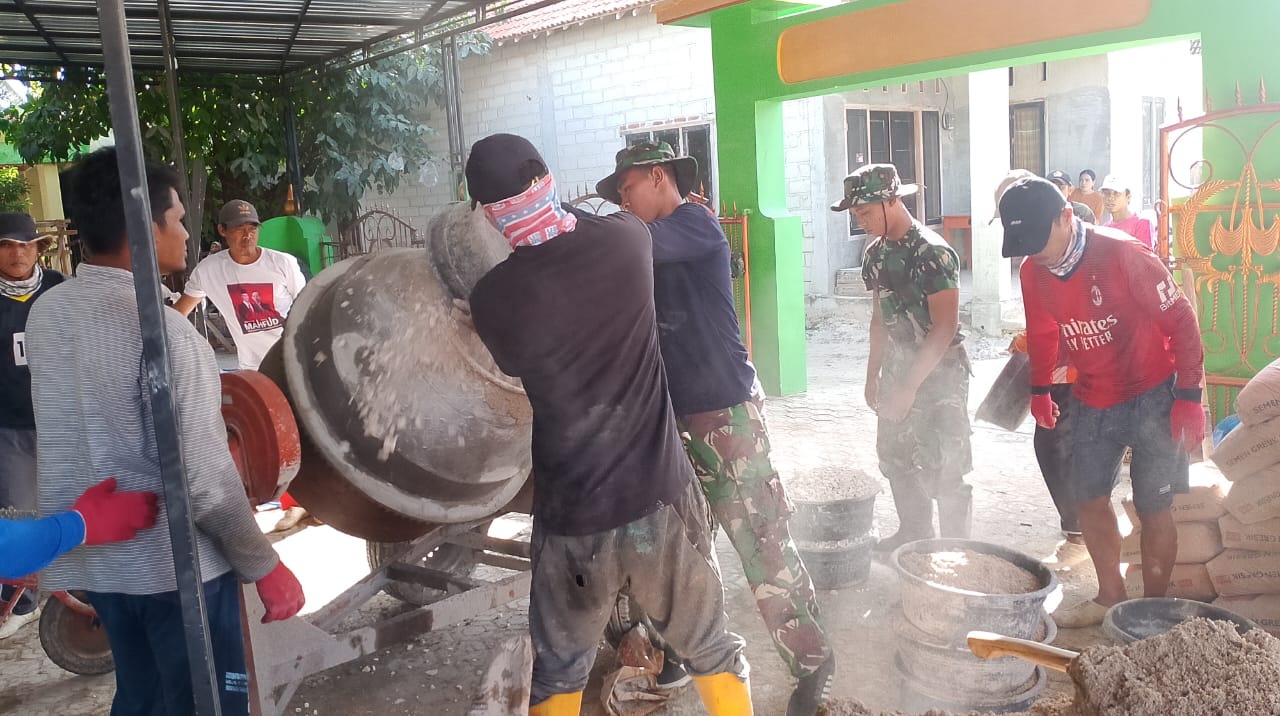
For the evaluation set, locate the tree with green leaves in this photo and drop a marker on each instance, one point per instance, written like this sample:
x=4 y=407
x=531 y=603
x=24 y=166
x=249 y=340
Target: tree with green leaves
x=13 y=190
x=358 y=130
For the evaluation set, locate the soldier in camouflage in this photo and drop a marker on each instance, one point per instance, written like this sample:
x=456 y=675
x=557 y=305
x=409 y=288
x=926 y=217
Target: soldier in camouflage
x=918 y=372
x=718 y=401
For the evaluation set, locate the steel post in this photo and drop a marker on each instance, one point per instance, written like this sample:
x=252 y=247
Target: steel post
x=291 y=147
x=176 y=134
x=146 y=280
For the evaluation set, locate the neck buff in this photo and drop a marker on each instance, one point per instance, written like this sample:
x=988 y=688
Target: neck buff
x=24 y=288
x=533 y=217
x=1075 y=252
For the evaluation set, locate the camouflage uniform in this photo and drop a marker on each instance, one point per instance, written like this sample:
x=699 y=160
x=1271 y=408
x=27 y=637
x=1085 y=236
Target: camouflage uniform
x=926 y=455
x=730 y=453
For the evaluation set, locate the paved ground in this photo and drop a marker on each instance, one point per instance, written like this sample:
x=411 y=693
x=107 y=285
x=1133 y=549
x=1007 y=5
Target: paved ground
x=827 y=426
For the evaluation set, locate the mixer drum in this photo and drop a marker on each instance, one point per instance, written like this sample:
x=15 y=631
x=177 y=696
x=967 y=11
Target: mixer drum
x=395 y=392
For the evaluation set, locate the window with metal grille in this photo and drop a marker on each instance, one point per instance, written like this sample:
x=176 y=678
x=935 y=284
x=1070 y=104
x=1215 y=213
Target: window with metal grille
x=693 y=140
x=1152 y=120
x=909 y=140
x=1026 y=137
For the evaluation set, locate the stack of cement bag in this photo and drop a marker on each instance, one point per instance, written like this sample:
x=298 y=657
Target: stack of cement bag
x=1247 y=574
x=1196 y=515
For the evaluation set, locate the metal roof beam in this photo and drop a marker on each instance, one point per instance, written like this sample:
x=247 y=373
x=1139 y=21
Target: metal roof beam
x=423 y=36
x=245 y=15
x=288 y=50
x=74 y=35
x=30 y=13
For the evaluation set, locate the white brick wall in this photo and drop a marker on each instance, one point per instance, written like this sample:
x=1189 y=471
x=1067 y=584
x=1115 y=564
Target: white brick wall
x=573 y=94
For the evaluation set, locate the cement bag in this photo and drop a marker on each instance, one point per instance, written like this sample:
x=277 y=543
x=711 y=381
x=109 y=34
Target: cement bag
x=1255 y=498
x=1186 y=581
x=1238 y=571
x=1259 y=401
x=1261 y=536
x=1248 y=449
x=1008 y=403
x=1202 y=503
x=1263 y=609
x=1198 y=542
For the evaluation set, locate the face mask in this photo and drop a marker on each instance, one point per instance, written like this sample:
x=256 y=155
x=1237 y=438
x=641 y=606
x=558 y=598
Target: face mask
x=1075 y=252
x=533 y=217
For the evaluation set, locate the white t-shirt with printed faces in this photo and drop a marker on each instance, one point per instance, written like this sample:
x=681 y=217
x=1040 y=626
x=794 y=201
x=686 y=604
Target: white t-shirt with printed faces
x=254 y=299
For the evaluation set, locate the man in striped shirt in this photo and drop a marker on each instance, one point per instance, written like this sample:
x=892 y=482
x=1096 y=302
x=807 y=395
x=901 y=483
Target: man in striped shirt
x=93 y=421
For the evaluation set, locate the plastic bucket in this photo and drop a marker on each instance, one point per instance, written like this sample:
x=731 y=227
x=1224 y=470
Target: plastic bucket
x=954 y=668
x=948 y=614
x=833 y=565
x=832 y=520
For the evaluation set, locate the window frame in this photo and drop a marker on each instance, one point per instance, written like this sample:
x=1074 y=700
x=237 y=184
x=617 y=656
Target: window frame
x=921 y=212
x=683 y=126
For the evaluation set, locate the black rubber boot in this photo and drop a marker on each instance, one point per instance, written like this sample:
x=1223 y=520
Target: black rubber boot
x=812 y=690
x=955 y=512
x=915 y=513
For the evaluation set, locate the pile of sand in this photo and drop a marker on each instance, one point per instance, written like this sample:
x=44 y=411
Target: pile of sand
x=1199 y=667
x=827 y=483
x=1058 y=706
x=973 y=571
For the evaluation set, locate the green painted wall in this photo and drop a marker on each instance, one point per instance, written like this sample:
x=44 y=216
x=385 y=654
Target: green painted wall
x=1237 y=39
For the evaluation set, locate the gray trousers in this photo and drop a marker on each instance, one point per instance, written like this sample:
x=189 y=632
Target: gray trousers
x=665 y=560
x=18 y=490
x=18 y=469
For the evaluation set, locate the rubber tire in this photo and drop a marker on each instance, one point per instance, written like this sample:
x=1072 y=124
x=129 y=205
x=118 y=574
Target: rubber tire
x=622 y=620
x=456 y=560
x=56 y=622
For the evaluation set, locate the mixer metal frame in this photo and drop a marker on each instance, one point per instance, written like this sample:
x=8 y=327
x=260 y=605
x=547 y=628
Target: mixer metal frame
x=282 y=654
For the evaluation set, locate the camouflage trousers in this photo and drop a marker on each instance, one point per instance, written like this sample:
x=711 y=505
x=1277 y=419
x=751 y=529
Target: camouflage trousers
x=932 y=443
x=730 y=454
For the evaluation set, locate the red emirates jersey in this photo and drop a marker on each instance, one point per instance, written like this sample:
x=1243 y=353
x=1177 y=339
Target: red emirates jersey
x=1122 y=318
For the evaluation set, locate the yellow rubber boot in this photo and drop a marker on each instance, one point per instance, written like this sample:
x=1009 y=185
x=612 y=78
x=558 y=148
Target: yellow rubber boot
x=559 y=705
x=724 y=694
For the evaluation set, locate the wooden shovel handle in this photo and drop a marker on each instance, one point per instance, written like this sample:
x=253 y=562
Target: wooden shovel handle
x=986 y=645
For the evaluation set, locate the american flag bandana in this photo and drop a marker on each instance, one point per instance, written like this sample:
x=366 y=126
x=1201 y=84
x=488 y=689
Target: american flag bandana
x=533 y=217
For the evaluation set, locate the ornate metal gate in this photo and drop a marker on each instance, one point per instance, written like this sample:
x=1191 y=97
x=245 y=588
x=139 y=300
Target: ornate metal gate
x=1225 y=235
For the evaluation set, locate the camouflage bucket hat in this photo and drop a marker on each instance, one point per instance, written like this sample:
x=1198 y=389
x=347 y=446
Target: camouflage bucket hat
x=648 y=154
x=872 y=184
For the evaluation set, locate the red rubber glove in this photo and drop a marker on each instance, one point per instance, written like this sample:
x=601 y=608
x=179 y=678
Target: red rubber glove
x=1045 y=411
x=281 y=594
x=111 y=516
x=1186 y=419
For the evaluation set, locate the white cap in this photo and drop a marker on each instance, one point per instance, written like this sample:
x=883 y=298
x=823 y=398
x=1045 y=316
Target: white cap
x=1112 y=183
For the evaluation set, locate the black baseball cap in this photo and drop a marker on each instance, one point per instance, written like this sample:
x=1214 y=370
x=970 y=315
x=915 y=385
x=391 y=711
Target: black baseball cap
x=1027 y=210
x=1057 y=176
x=19 y=227
x=499 y=167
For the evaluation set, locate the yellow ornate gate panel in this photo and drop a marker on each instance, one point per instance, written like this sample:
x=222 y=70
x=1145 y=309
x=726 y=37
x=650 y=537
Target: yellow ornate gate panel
x=1226 y=232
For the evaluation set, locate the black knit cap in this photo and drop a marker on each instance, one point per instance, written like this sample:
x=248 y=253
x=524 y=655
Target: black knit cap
x=502 y=166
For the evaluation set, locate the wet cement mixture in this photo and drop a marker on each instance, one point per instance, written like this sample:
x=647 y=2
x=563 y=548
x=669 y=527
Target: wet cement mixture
x=970 y=570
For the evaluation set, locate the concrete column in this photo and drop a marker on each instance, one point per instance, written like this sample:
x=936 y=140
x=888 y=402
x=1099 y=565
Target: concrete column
x=988 y=164
x=45 y=192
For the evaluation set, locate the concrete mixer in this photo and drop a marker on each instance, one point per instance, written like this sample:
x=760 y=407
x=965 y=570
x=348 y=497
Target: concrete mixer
x=409 y=437
x=405 y=420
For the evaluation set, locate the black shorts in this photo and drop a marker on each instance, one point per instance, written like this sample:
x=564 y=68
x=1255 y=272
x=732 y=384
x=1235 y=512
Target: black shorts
x=1159 y=469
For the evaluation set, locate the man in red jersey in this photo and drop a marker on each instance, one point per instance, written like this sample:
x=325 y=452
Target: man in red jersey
x=1135 y=342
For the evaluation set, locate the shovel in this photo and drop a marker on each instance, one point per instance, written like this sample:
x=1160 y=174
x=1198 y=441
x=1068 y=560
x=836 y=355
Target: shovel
x=986 y=645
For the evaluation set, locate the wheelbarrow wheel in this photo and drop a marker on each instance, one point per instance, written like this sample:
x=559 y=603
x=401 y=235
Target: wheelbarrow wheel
x=451 y=558
x=626 y=615
x=76 y=642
